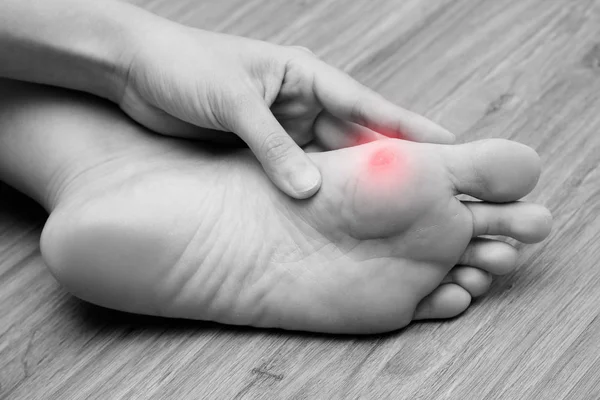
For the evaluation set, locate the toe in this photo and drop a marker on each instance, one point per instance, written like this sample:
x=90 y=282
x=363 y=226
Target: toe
x=526 y=222
x=446 y=301
x=493 y=256
x=495 y=170
x=474 y=280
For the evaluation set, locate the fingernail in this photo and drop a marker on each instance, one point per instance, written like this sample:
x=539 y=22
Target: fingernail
x=306 y=180
x=451 y=136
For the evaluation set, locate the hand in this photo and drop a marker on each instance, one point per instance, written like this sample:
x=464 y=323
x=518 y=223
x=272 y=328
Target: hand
x=182 y=78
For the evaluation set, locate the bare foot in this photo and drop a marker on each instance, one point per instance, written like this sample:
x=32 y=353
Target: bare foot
x=157 y=226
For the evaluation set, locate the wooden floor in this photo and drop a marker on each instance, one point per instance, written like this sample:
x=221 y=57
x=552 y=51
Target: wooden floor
x=528 y=70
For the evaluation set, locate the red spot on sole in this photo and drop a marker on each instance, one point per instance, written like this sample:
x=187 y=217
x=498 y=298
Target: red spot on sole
x=385 y=168
x=382 y=159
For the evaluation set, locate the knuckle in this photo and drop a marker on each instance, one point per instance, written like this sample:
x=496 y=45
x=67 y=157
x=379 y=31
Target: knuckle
x=241 y=101
x=227 y=106
x=276 y=147
x=235 y=108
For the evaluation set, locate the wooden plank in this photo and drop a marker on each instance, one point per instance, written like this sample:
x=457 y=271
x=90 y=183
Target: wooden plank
x=526 y=70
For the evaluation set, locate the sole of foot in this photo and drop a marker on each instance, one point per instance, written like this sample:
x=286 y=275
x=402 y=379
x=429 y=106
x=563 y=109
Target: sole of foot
x=153 y=225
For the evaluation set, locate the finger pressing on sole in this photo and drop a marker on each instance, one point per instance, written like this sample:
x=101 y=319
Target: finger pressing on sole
x=349 y=100
x=334 y=133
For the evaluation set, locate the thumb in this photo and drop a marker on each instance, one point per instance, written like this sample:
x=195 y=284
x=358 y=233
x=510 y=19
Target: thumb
x=286 y=164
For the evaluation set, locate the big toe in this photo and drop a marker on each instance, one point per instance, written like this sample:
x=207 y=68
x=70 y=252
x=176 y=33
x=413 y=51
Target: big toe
x=495 y=170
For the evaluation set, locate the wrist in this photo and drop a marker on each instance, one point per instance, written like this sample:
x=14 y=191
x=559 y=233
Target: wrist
x=85 y=46
x=123 y=28
x=100 y=57
x=105 y=53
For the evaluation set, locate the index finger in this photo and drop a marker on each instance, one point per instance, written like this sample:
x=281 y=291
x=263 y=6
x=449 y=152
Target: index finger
x=347 y=99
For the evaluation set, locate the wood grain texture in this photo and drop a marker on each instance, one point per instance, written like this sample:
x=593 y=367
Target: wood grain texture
x=527 y=70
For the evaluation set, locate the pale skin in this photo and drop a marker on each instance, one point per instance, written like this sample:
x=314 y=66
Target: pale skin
x=155 y=225
x=161 y=226
x=173 y=79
